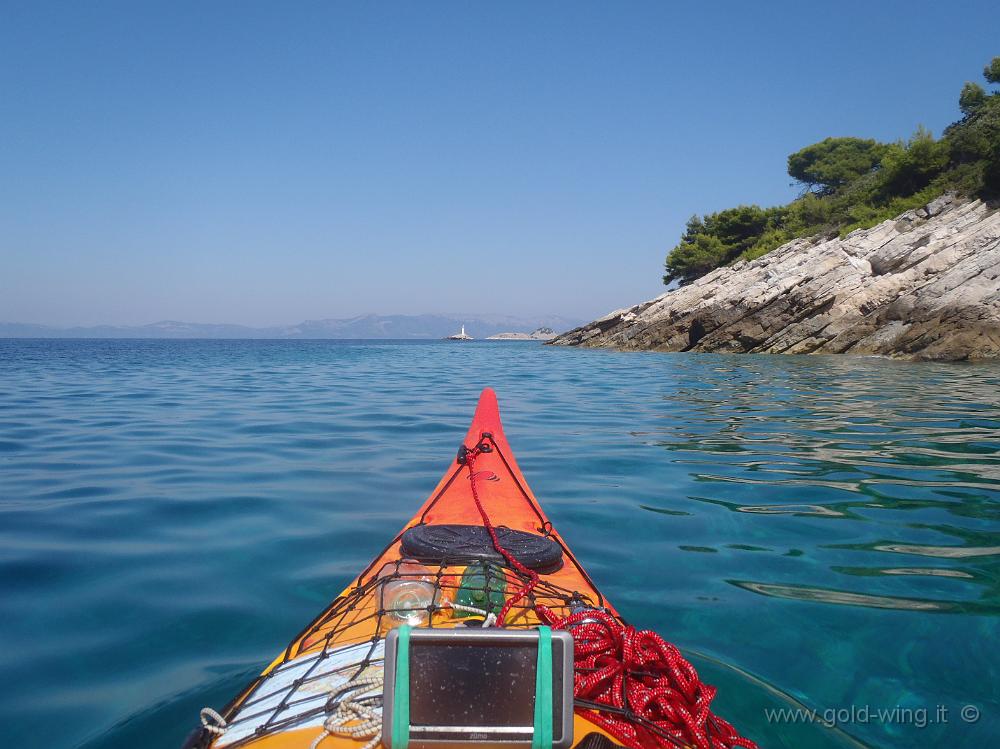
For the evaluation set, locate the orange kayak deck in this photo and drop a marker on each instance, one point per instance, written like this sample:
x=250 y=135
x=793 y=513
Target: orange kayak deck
x=286 y=705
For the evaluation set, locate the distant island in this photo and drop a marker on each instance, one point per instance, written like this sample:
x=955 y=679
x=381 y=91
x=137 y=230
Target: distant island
x=892 y=249
x=539 y=334
x=361 y=327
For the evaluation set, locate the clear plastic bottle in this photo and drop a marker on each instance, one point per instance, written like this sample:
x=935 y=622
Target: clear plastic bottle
x=407 y=594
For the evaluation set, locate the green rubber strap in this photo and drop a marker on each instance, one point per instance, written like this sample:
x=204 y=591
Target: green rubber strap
x=541 y=737
x=401 y=692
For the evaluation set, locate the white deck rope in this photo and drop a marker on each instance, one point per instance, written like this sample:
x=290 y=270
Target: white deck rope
x=212 y=721
x=463 y=607
x=365 y=720
x=491 y=618
x=350 y=718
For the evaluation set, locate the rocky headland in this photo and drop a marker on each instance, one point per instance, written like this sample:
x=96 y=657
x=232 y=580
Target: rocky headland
x=925 y=285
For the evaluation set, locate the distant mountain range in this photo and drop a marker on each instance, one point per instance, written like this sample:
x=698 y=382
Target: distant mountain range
x=364 y=326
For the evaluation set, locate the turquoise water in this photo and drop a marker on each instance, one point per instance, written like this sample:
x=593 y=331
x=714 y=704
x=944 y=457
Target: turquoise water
x=818 y=531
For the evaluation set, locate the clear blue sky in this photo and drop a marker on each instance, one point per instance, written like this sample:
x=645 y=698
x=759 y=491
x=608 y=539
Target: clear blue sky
x=264 y=163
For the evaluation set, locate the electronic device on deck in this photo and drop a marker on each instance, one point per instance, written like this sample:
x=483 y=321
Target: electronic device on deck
x=485 y=687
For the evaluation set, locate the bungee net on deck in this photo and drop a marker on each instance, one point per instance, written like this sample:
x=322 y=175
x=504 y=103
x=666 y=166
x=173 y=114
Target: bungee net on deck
x=304 y=687
x=631 y=683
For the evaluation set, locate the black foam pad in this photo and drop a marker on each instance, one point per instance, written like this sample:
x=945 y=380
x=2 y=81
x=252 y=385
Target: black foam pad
x=437 y=543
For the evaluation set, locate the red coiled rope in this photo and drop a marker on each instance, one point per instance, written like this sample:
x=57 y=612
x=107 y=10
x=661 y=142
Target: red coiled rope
x=633 y=684
x=643 y=691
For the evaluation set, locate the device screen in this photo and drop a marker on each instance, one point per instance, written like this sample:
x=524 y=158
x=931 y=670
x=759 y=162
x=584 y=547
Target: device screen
x=472 y=684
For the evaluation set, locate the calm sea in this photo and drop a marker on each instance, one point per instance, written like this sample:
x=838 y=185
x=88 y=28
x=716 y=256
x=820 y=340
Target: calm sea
x=817 y=533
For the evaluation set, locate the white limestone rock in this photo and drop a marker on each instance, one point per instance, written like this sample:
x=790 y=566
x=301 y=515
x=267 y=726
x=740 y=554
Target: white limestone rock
x=925 y=285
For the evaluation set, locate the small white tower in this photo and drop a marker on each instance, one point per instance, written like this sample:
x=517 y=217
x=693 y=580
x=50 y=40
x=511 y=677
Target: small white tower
x=460 y=336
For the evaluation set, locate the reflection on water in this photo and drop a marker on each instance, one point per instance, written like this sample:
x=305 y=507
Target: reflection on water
x=951 y=552
x=933 y=571
x=792 y=510
x=805 y=593
x=172 y=513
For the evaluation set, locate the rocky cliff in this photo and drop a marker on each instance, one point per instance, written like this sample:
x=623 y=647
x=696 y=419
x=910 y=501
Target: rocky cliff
x=925 y=285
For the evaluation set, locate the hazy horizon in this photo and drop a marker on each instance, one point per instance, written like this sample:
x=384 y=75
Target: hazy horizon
x=498 y=316
x=263 y=165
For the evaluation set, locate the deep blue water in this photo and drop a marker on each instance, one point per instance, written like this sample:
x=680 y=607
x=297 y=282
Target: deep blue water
x=816 y=531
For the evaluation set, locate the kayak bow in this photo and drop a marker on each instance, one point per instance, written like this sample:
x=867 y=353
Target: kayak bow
x=479 y=552
x=285 y=706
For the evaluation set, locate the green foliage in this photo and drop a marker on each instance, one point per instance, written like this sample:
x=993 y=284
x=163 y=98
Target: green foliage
x=991 y=175
x=975 y=148
x=769 y=240
x=992 y=71
x=910 y=167
x=854 y=183
x=717 y=239
x=973 y=96
x=809 y=215
x=738 y=227
x=865 y=216
x=694 y=257
x=834 y=162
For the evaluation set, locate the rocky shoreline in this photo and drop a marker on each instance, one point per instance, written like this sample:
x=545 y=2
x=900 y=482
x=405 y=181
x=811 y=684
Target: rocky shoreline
x=925 y=285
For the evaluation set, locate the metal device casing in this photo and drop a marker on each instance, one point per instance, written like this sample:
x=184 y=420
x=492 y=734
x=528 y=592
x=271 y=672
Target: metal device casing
x=562 y=734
